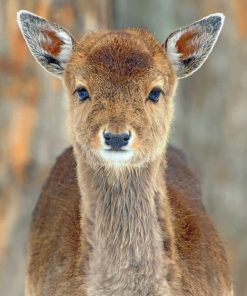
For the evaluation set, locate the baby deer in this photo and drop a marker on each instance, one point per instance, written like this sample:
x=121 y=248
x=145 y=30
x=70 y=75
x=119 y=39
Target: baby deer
x=121 y=213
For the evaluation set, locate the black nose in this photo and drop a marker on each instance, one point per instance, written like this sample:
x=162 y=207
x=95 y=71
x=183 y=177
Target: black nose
x=116 y=141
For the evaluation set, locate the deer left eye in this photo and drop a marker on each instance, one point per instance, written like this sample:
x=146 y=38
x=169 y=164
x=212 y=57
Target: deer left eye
x=154 y=94
x=82 y=93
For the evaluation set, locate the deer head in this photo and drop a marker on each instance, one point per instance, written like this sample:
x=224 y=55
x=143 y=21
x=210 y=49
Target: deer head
x=120 y=84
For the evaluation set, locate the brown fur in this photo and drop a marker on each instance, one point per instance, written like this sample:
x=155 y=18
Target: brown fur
x=135 y=230
x=52 y=43
x=185 y=46
x=57 y=255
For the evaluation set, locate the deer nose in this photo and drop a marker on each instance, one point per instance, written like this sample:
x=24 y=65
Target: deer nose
x=116 y=141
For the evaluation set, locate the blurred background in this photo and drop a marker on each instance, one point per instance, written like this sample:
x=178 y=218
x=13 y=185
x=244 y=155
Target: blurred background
x=210 y=123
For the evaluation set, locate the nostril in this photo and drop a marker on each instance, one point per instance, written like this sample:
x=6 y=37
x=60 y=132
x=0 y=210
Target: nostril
x=126 y=137
x=107 y=136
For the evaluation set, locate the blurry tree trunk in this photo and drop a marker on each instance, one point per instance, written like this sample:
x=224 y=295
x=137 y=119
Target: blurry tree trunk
x=97 y=14
x=32 y=124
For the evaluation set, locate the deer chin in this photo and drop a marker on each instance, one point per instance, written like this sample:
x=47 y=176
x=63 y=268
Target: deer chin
x=116 y=158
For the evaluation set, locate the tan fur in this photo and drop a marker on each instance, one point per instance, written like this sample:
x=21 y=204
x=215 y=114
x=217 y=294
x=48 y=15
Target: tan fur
x=140 y=229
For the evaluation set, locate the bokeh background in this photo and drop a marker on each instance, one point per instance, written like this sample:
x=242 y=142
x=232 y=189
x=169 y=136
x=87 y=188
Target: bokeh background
x=210 y=123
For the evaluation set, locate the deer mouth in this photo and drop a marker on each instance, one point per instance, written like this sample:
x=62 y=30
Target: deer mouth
x=117 y=150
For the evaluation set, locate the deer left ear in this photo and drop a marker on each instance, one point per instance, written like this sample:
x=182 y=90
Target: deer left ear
x=188 y=48
x=50 y=44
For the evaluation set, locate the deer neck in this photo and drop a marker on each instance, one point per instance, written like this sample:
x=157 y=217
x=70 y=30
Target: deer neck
x=122 y=226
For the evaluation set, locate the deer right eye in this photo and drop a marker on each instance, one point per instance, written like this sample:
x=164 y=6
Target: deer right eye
x=82 y=94
x=154 y=95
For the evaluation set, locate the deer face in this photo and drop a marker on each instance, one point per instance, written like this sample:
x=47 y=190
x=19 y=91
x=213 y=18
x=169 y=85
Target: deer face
x=120 y=90
x=120 y=84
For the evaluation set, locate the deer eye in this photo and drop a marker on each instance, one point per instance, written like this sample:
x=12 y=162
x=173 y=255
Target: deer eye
x=154 y=94
x=82 y=94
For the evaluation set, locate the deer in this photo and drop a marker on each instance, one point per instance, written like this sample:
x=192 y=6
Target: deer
x=121 y=213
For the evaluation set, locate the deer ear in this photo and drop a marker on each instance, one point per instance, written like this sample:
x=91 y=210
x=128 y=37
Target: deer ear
x=188 y=48
x=50 y=44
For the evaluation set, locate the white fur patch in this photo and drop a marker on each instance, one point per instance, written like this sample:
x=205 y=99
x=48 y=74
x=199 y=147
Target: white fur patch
x=173 y=54
x=67 y=48
x=116 y=158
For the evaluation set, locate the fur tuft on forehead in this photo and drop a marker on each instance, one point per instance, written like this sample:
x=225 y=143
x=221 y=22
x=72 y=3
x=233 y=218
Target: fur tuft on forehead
x=121 y=61
x=120 y=54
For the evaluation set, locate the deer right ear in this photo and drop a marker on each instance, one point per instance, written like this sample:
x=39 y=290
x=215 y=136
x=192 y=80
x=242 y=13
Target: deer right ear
x=188 y=48
x=50 y=44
